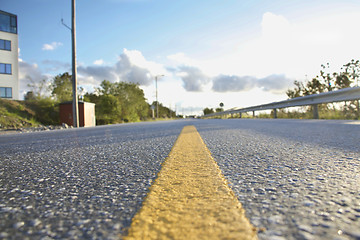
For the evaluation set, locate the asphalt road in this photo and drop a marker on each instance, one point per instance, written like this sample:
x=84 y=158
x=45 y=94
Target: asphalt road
x=296 y=179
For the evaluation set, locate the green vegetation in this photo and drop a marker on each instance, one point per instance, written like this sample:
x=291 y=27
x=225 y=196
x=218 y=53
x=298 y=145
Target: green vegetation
x=306 y=113
x=211 y=110
x=208 y=111
x=119 y=102
x=61 y=88
x=46 y=110
x=15 y=114
x=28 y=113
x=115 y=103
x=324 y=82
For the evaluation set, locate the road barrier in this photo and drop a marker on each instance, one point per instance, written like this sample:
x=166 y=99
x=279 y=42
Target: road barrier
x=345 y=94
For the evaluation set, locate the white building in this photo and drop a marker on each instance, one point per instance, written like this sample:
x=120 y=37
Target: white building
x=9 y=62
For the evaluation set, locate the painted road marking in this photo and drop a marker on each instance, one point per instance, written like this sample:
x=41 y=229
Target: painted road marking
x=190 y=198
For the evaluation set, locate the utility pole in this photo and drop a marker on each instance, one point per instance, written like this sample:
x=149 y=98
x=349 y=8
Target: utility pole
x=157 y=101
x=73 y=57
x=74 y=72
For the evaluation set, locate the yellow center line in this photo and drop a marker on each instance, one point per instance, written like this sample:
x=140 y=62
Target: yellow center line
x=190 y=198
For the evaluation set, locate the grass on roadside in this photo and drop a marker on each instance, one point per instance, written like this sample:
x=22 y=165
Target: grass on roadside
x=14 y=114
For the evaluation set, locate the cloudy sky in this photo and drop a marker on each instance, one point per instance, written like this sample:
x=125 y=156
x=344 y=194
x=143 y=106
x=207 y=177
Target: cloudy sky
x=239 y=52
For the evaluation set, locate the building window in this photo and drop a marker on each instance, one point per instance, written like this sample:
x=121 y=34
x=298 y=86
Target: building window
x=5 y=68
x=5 y=92
x=8 y=22
x=5 y=45
x=13 y=24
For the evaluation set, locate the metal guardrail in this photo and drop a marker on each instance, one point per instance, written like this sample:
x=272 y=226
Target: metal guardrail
x=346 y=94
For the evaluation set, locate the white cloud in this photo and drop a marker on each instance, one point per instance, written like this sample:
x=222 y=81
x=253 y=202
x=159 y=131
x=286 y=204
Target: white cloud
x=51 y=46
x=275 y=83
x=55 y=66
x=225 y=83
x=99 y=62
x=136 y=58
x=193 y=78
x=130 y=67
x=290 y=46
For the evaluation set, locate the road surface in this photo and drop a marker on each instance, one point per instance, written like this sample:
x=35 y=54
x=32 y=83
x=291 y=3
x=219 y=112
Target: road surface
x=296 y=179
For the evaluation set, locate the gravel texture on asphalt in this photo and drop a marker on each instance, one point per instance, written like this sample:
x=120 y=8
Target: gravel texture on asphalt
x=83 y=183
x=296 y=179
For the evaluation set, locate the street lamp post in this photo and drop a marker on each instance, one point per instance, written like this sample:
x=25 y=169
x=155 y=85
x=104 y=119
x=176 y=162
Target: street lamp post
x=157 y=101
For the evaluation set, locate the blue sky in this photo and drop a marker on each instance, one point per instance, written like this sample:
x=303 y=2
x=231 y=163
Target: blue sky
x=237 y=52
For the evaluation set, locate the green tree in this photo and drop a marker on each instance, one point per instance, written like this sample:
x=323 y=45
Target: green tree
x=347 y=77
x=29 y=96
x=297 y=91
x=208 y=111
x=164 y=112
x=126 y=100
x=314 y=86
x=62 y=87
x=352 y=70
x=326 y=78
x=108 y=110
x=342 y=80
x=133 y=98
x=45 y=108
x=106 y=88
x=39 y=89
x=39 y=100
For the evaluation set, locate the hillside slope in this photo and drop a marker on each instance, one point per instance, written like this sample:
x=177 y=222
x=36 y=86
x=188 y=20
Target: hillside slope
x=15 y=115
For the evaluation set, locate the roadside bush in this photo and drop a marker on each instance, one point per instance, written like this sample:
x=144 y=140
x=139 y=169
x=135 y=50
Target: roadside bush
x=46 y=110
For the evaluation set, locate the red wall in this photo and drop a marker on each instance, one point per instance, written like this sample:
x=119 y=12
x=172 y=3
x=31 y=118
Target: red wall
x=66 y=114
